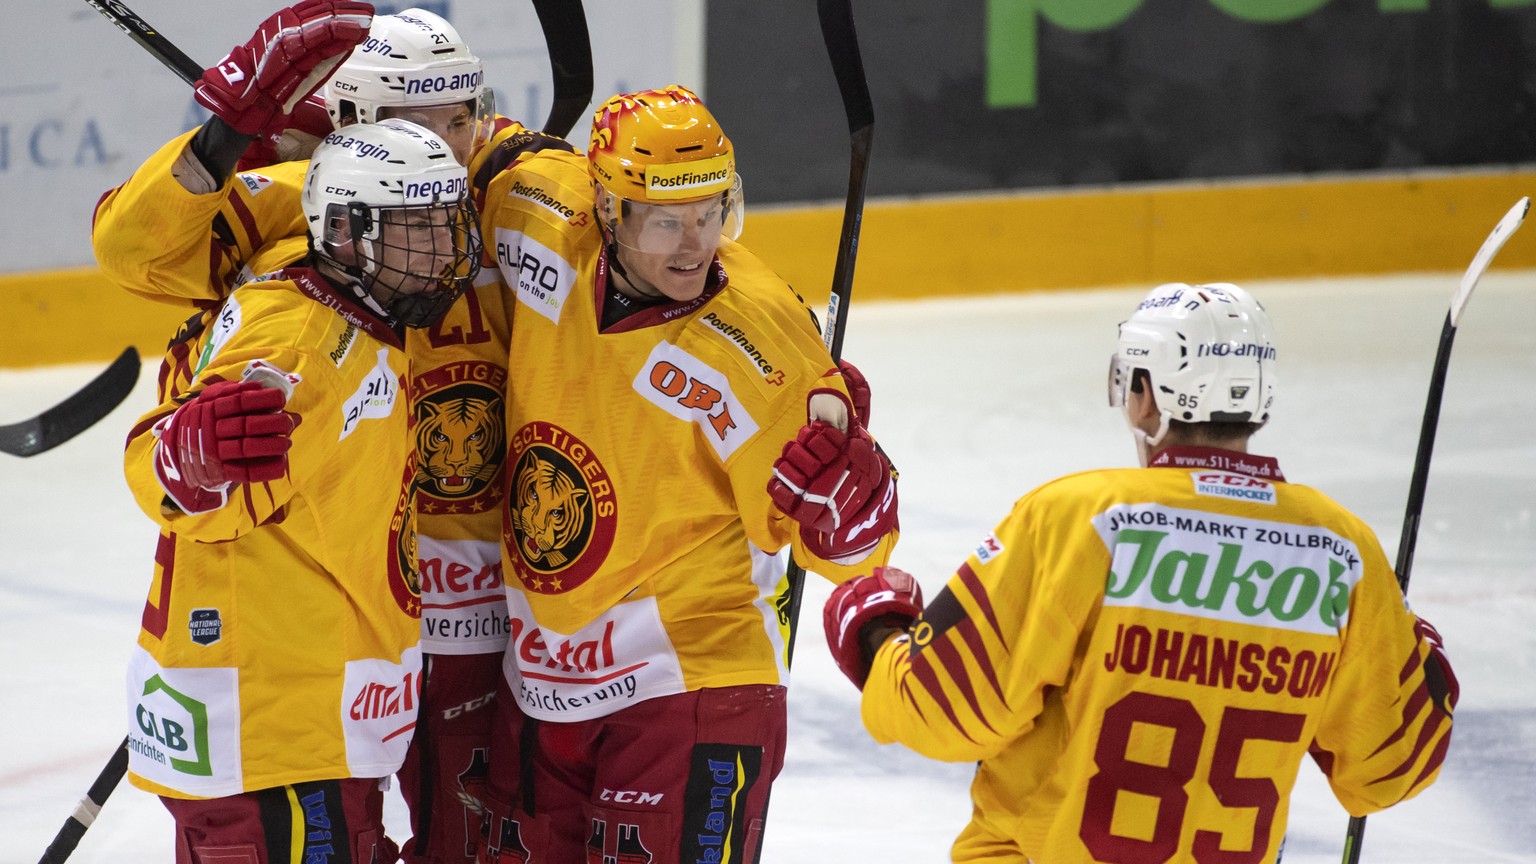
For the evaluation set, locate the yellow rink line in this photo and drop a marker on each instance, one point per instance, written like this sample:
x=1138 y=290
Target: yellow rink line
x=993 y=243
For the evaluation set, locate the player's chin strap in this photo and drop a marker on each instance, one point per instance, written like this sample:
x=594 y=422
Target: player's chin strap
x=1144 y=442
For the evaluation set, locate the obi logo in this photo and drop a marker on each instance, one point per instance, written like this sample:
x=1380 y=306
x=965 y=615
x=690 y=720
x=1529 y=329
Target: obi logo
x=205 y=626
x=690 y=389
x=175 y=729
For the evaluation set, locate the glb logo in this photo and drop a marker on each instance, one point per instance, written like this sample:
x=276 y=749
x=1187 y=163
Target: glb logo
x=175 y=727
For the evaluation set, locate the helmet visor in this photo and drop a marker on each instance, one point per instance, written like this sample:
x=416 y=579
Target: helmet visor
x=1119 y=380
x=671 y=228
x=463 y=125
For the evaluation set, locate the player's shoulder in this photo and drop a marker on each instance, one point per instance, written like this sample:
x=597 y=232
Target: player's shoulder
x=548 y=185
x=510 y=144
x=752 y=285
x=279 y=177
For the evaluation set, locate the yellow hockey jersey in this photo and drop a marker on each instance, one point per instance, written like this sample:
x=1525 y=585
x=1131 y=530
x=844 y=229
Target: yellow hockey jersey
x=1140 y=659
x=642 y=552
x=154 y=238
x=279 y=641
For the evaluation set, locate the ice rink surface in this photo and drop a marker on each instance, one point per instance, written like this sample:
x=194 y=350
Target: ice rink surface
x=977 y=401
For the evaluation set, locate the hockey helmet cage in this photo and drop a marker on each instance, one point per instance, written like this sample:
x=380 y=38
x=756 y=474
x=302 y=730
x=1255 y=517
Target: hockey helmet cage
x=371 y=174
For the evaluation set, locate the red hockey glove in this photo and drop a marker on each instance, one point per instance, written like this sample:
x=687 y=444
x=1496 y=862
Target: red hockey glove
x=1444 y=689
x=889 y=597
x=229 y=432
x=294 y=137
x=858 y=390
x=839 y=487
x=291 y=54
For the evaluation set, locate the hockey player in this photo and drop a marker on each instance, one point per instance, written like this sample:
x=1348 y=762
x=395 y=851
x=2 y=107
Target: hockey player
x=184 y=230
x=657 y=370
x=1141 y=658
x=274 y=685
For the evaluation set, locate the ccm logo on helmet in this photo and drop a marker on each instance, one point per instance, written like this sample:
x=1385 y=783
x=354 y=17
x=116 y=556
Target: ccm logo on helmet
x=450 y=188
x=443 y=83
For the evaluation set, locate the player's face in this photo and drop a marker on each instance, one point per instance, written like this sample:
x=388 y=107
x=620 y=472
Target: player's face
x=666 y=249
x=414 y=250
x=455 y=123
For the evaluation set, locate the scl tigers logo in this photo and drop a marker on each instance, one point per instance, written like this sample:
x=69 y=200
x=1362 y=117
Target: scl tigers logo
x=404 y=578
x=460 y=438
x=552 y=515
x=561 y=510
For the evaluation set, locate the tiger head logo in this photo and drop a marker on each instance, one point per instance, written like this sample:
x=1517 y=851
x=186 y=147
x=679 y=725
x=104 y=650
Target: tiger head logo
x=459 y=441
x=560 y=509
x=550 y=513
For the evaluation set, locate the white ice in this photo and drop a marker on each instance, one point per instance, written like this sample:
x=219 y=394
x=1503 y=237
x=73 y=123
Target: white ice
x=978 y=401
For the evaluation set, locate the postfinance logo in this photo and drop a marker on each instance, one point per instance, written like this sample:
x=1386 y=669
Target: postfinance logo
x=1013 y=32
x=175 y=728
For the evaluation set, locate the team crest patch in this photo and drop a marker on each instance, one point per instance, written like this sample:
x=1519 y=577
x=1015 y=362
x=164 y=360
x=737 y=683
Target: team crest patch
x=990 y=548
x=561 y=509
x=460 y=437
x=404 y=557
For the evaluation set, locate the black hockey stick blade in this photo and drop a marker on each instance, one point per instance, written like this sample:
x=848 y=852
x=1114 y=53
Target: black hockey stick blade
x=570 y=62
x=77 y=413
x=1354 y=835
x=149 y=39
x=87 y=810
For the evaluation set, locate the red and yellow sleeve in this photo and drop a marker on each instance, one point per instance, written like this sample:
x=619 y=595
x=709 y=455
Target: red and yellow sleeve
x=1386 y=726
x=972 y=673
x=154 y=238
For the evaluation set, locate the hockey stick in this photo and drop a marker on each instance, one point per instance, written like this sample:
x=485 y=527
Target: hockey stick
x=570 y=62
x=76 y=414
x=842 y=43
x=88 y=809
x=1354 y=837
x=149 y=39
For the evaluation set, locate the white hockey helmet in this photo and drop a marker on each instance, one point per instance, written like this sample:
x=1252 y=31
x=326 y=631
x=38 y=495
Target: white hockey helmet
x=370 y=176
x=411 y=59
x=1208 y=349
